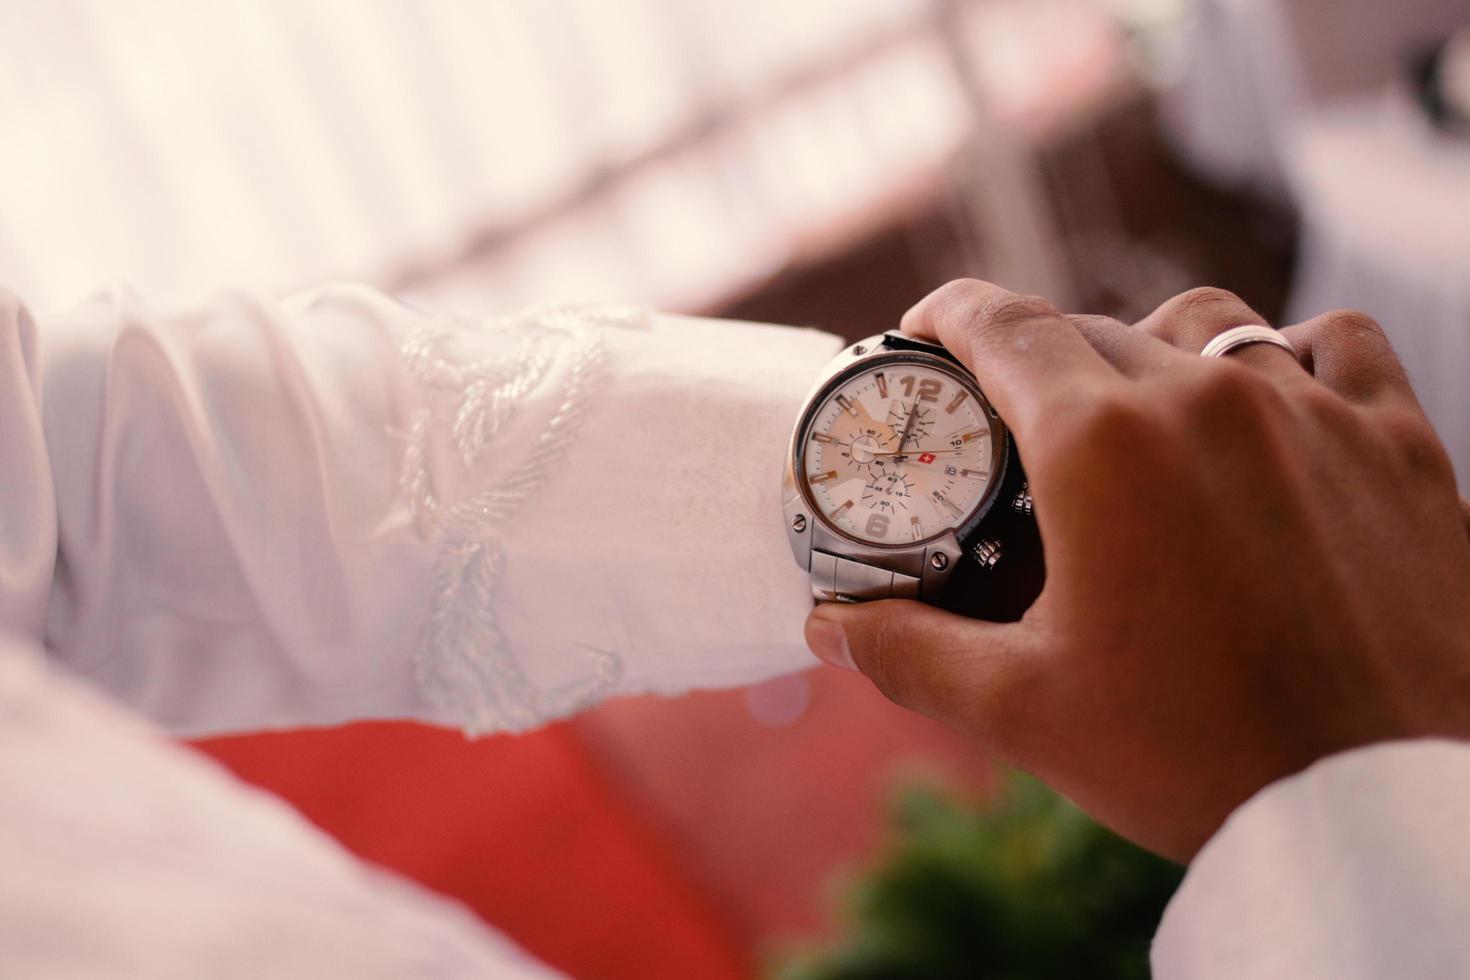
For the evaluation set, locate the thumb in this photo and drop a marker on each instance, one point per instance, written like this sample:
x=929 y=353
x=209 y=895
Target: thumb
x=935 y=662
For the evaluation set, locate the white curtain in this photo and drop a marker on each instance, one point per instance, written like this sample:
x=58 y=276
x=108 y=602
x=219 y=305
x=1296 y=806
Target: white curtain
x=656 y=148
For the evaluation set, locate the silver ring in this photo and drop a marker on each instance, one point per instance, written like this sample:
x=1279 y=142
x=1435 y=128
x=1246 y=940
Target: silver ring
x=1237 y=337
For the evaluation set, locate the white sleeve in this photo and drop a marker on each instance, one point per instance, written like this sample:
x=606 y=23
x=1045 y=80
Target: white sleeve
x=126 y=856
x=262 y=514
x=1357 y=868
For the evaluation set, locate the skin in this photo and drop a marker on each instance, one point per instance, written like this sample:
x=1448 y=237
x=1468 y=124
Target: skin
x=1253 y=561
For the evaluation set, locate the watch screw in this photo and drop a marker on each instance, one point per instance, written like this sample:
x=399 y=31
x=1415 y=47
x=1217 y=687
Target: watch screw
x=859 y=349
x=939 y=561
x=798 y=523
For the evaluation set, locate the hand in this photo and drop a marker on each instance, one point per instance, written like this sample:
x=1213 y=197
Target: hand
x=1252 y=562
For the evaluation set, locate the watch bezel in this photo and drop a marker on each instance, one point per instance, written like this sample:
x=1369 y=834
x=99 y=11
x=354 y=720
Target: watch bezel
x=842 y=371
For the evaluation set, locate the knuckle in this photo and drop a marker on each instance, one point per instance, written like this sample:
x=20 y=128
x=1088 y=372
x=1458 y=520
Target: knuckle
x=1198 y=313
x=981 y=308
x=1208 y=301
x=997 y=314
x=1354 y=324
x=957 y=292
x=1007 y=310
x=961 y=287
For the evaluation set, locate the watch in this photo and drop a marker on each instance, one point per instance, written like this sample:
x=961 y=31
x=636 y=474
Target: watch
x=902 y=481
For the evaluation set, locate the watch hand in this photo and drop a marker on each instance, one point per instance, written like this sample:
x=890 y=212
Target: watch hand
x=908 y=424
x=920 y=452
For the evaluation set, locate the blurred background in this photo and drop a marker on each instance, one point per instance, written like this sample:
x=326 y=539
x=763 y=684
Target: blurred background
x=822 y=162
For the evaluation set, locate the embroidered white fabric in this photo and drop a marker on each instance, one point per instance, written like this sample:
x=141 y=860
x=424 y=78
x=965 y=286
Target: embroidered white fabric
x=463 y=663
x=336 y=507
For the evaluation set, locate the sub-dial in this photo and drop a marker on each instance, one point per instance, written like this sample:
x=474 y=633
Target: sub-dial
x=898 y=417
x=869 y=451
x=889 y=493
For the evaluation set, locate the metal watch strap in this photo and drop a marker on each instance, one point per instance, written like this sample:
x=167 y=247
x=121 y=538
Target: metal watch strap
x=837 y=578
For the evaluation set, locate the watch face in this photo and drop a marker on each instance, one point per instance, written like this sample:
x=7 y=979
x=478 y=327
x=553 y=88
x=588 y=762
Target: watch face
x=901 y=451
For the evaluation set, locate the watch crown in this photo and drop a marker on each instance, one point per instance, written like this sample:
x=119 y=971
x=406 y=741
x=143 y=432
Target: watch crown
x=987 y=552
x=1022 y=503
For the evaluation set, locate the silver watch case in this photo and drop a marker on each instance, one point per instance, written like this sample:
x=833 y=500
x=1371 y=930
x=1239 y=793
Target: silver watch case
x=808 y=531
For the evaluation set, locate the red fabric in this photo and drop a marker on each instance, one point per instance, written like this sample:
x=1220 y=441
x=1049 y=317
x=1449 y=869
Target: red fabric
x=651 y=837
x=525 y=830
x=770 y=817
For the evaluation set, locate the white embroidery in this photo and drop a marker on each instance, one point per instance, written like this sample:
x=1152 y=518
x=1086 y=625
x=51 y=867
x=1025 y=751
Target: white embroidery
x=464 y=666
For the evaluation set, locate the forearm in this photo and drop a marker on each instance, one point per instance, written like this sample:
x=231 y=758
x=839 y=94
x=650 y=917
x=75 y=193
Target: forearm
x=337 y=507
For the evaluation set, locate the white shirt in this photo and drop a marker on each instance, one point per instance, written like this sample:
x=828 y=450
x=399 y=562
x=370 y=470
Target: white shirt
x=261 y=515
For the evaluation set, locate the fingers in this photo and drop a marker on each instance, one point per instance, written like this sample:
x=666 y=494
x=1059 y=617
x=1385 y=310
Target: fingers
x=960 y=670
x=1349 y=353
x=1192 y=319
x=1023 y=352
